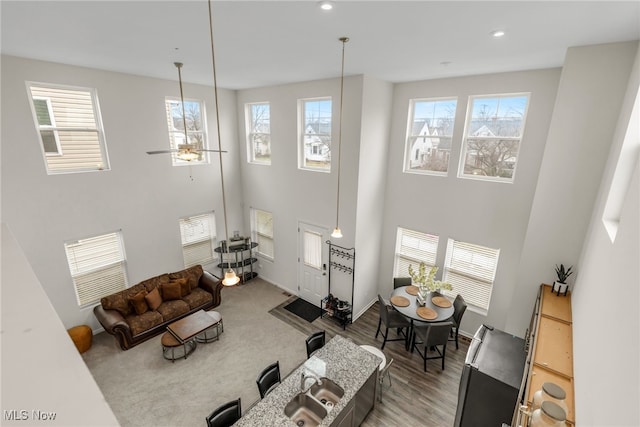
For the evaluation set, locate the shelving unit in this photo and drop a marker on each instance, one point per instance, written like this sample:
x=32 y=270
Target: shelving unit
x=344 y=261
x=240 y=258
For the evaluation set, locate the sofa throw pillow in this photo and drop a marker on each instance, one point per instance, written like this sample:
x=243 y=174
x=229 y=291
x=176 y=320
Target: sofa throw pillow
x=139 y=303
x=153 y=299
x=185 y=289
x=171 y=291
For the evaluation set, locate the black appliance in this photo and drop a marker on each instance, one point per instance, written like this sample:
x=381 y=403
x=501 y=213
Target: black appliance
x=491 y=379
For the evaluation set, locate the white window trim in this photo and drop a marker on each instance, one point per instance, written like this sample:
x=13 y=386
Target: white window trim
x=251 y=157
x=104 y=165
x=88 y=265
x=302 y=134
x=175 y=161
x=463 y=150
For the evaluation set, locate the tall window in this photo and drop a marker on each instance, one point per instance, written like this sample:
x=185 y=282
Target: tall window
x=492 y=137
x=259 y=137
x=429 y=133
x=198 y=234
x=471 y=270
x=194 y=118
x=315 y=144
x=69 y=127
x=413 y=247
x=98 y=266
x=262 y=230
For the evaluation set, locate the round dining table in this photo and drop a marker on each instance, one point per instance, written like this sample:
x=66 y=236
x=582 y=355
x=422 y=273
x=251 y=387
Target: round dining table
x=410 y=311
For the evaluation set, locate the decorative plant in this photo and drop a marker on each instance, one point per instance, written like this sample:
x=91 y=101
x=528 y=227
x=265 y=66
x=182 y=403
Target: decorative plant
x=425 y=281
x=563 y=274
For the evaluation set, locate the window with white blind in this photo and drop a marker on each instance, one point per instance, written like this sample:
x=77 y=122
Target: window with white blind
x=262 y=230
x=413 y=247
x=471 y=270
x=429 y=135
x=259 y=133
x=315 y=134
x=312 y=249
x=69 y=128
x=198 y=234
x=493 y=132
x=194 y=120
x=97 y=266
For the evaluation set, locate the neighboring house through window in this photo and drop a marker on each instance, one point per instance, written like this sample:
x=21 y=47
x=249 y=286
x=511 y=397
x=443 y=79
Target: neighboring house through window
x=493 y=133
x=262 y=231
x=429 y=133
x=413 y=247
x=315 y=141
x=198 y=234
x=70 y=128
x=98 y=266
x=194 y=119
x=259 y=136
x=471 y=270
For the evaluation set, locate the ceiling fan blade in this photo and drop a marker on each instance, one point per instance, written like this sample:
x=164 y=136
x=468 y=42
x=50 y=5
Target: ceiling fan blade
x=213 y=151
x=162 y=152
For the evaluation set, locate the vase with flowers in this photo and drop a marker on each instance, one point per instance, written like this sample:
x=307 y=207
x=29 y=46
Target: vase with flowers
x=426 y=282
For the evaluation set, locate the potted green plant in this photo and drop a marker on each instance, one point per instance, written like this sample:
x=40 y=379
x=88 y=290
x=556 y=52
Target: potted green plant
x=560 y=285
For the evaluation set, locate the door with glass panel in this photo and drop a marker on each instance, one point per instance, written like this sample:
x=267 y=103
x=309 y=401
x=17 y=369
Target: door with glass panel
x=312 y=262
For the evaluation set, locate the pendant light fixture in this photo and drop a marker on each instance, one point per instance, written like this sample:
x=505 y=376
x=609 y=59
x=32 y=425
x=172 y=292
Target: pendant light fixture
x=230 y=277
x=337 y=233
x=186 y=150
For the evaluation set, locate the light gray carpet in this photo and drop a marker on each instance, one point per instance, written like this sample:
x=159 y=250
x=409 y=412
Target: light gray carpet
x=144 y=389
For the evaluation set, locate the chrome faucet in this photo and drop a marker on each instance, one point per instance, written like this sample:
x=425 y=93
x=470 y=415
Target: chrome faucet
x=304 y=376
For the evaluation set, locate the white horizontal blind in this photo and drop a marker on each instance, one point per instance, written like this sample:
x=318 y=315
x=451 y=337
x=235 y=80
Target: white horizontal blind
x=471 y=270
x=264 y=232
x=198 y=234
x=71 y=126
x=97 y=266
x=413 y=247
x=312 y=249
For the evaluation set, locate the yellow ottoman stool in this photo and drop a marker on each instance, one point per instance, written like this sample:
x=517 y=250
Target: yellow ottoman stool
x=81 y=336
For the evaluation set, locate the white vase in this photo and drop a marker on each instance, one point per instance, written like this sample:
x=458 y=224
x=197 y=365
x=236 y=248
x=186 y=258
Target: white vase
x=559 y=288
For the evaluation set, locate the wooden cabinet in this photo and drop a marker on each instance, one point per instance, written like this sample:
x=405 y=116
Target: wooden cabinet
x=550 y=351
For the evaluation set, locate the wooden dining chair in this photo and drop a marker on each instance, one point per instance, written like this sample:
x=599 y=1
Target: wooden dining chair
x=225 y=415
x=268 y=379
x=391 y=319
x=431 y=337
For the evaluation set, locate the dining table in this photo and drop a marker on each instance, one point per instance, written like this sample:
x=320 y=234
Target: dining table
x=418 y=314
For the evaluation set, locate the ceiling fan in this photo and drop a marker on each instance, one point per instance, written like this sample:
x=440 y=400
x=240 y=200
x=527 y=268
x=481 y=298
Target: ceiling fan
x=186 y=152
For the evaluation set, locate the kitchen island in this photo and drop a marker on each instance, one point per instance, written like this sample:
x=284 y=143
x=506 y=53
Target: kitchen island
x=341 y=361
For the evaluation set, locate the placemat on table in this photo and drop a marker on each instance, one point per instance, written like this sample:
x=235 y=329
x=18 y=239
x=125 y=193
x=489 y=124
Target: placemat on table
x=412 y=290
x=399 y=301
x=441 y=302
x=426 y=313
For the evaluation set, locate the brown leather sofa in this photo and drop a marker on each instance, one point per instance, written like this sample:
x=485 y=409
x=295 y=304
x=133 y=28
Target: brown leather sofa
x=144 y=310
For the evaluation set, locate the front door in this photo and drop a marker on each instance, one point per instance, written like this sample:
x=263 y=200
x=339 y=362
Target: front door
x=312 y=263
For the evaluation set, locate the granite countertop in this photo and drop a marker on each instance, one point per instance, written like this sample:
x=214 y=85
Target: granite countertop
x=341 y=360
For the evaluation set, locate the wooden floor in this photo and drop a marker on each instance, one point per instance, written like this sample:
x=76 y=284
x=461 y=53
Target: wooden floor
x=415 y=398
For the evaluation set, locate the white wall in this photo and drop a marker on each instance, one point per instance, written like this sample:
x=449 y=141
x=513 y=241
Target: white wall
x=486 y=213
x=593 y=83
x=142 y=195
x=606 y=294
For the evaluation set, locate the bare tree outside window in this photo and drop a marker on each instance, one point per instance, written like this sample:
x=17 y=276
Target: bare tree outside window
x=193 y=113
x=259 y=138
x=316 y=143
x=494 y=132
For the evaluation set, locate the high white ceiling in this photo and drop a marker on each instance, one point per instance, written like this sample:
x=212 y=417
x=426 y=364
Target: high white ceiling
x=262 y=43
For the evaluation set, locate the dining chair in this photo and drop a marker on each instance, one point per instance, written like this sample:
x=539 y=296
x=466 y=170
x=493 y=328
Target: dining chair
x=268 y=379
x=314 y=342
x=381 y=374
x=225 y=415
x=401 y=281
x=459 y=307
x=391 y=319
x=431 y=336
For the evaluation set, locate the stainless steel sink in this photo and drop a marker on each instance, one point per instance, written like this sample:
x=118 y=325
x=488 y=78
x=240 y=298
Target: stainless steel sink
x=305 y=411
x=327 y=392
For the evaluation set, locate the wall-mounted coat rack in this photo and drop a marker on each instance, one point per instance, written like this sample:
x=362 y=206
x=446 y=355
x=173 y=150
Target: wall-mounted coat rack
x=343 y=260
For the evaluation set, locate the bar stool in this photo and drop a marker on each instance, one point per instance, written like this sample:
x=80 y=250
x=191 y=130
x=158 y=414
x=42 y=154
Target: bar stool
x=383 y=368
x=218 y=328
x=170 y=344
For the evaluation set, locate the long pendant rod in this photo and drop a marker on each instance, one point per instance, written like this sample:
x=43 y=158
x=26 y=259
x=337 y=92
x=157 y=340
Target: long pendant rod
x=184 y=116
x=344 y=40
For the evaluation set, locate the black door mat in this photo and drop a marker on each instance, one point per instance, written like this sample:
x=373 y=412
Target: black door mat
x=304 y=309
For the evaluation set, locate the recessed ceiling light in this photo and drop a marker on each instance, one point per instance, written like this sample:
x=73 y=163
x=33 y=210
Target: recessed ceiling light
x=497 y=33
x=326 y=5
